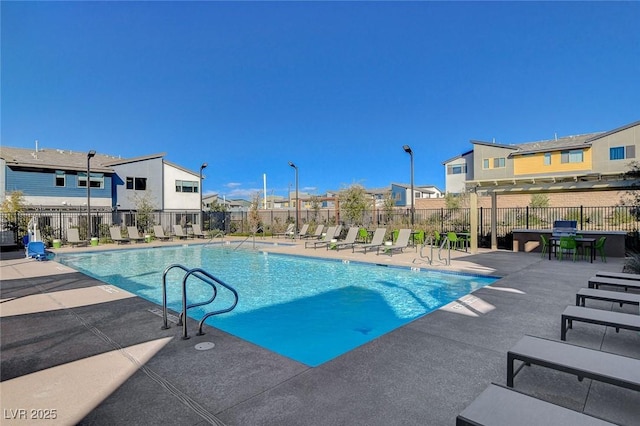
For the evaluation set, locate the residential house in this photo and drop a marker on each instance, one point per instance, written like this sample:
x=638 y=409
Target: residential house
x=401 y=193
x=594 y=161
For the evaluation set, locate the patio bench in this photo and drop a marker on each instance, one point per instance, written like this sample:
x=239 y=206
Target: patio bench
x=500 y=406
x=617 y=320
x=620 y=297
x=583 y=362
x=596 y=282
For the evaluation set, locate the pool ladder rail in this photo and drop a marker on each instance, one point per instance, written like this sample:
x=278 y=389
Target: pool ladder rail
x=219 y=234
x=443 y=246
x=204 y=277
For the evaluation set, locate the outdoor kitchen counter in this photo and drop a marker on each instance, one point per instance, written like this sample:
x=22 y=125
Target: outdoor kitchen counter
x=528 y=240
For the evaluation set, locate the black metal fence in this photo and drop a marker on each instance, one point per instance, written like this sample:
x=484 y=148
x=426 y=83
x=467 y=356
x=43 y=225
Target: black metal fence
x=54 y=224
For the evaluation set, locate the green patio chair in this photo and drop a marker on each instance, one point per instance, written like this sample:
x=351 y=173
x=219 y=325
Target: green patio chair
x=567 y=245
x=454 y=241
x=599 y=248
x=363 y=235
x=418 y=238
x=545 y=245
x=437 y=238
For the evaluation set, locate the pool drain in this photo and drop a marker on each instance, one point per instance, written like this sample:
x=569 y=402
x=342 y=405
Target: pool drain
x=205 y=346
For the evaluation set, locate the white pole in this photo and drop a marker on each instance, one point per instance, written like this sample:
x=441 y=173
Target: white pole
x=264 y=202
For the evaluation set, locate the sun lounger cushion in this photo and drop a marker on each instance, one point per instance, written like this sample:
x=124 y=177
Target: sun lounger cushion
x=499 y=406
x=583 y=362
x=617 y=320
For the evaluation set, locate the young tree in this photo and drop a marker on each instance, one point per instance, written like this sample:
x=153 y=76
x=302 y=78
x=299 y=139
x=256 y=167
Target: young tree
x=388 y=205
x=353 y=202
x=254 y=216
x=11 y=208
x=144 y=210
x=539 y=200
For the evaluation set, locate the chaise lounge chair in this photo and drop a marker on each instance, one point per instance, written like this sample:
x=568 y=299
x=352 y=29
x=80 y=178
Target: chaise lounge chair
x=596 y=282
x=401 y=243
x=330 y=235
x=134 y=235
x=500 y=406
x=620 y=297
x=197 y=232
x=288 y=233
x=73 y=238
x=116 y=236
x=179 y=232
x=376 y=241
x=159 y=233
x=583 y=362
x=303 y=232
x=618 y=275
x=616 y=320
x=349 y=240
x=317 y=234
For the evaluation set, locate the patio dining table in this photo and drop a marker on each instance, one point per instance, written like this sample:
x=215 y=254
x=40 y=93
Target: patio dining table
x=554 y=243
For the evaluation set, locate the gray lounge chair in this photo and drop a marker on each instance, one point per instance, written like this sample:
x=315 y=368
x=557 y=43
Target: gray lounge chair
x=330 y=235
x=197 y=232
x=620 y=297
x=583 y=362
x=159 y=233
x=179 y=232
x=376 y=241
x=618 y=275
x=401 y=243
x=616 y=320
x=317 y=233
x=596 y=282
x=73 y=238
x=289 y=232
x=303 y=231
x=500 y=406
x=116 y=236
x=134 y=235
x=349 y=240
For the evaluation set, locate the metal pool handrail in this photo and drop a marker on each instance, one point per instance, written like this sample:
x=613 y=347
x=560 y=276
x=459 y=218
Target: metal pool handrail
x=164 y=294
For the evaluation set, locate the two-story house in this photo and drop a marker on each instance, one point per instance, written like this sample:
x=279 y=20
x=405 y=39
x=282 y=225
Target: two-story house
x=595 y=161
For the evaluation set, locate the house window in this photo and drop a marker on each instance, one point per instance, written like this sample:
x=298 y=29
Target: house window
x=61 y=178
x=499 y=163
x=622 y=152
x=456 y=169
x=573 y=156
x=137 y=183
x=186 y=186
x=547 y=158
x=485 y=163
x=97 y=180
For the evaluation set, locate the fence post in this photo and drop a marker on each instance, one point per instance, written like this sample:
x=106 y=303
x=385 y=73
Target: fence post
x=581 y=218
x=527 y=217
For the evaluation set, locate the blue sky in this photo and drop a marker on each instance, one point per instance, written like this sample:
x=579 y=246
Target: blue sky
x=335 y=87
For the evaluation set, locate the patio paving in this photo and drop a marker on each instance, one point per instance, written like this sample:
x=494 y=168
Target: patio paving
x=88 y=353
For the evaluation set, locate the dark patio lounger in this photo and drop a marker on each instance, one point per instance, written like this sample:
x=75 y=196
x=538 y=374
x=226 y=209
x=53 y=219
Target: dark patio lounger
x=583 y=362
x=620 y=297
x=617 y=320
x=596 y=282
x=500 y=406
x=619 y=275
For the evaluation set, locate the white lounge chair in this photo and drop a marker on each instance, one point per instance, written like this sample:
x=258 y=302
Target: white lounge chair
x=197 y=232
x=159 y=233
x=116 y=236
x=376 y=241
x=73 y=238
x=401 y=243
x=134 y=234
x=316 y=234
x=349 y=240
x=179 y=232
x=330 y=235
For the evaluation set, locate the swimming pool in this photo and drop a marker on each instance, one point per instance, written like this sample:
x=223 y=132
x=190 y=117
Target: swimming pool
x=310 y=310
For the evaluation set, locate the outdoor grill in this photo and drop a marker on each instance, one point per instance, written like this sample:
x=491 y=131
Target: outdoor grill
x=564 y=228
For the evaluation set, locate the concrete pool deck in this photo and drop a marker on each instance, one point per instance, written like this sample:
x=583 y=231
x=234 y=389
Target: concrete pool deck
x=85 y=352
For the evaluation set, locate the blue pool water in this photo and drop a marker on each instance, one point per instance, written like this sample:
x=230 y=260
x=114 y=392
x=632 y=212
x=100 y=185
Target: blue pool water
x=310 y=310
